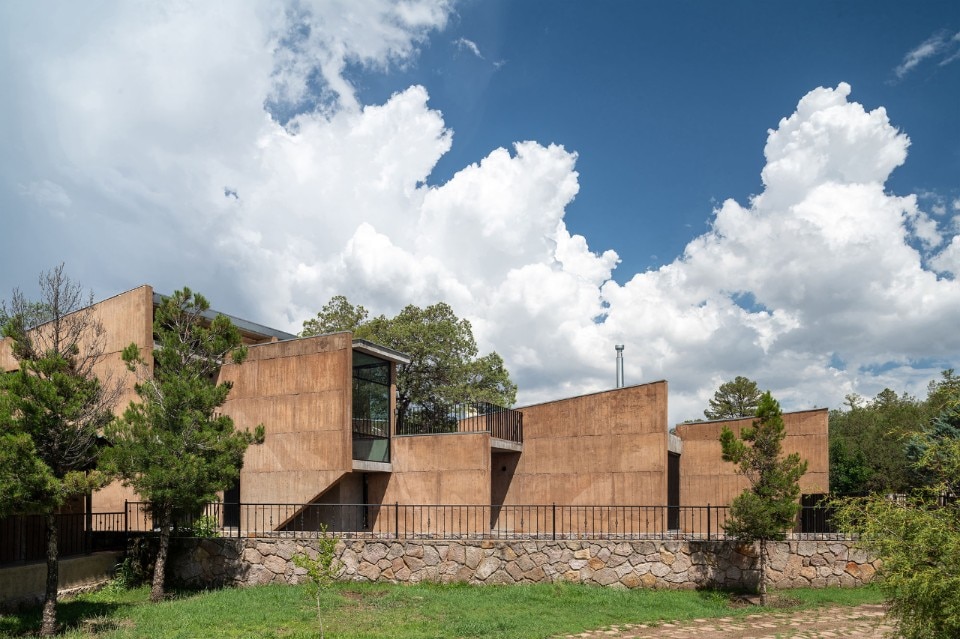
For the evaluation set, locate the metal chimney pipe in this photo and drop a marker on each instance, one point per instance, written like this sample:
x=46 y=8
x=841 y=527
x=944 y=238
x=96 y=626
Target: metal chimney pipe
x=619 y=348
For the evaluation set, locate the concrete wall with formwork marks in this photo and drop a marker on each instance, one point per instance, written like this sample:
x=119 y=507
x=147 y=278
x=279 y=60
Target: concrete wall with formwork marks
x=706 y=479
x=607 y=448
x=300 y=390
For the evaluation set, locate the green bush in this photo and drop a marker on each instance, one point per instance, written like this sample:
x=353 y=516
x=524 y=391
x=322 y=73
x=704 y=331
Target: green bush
x=206 y=527
x=918 y=538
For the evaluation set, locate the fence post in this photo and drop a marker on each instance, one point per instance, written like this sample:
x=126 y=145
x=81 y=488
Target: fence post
x=708 y=522
x=126 y=518
x=396 y=519
x=554 y=521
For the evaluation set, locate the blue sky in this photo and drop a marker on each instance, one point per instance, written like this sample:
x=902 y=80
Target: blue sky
x=759 y=189
x=668 y=103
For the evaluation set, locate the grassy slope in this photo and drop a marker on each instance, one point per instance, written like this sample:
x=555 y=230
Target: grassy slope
x=425 y=611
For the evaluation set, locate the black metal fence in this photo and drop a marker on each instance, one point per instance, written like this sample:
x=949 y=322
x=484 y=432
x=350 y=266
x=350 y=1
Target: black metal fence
x=468 y=417
x=423 y=521
x=24 y=538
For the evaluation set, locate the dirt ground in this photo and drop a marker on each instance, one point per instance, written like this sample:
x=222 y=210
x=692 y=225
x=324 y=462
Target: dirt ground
x=860 y=622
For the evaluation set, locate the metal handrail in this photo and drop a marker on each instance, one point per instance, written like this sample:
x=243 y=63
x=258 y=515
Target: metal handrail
x=465 y=417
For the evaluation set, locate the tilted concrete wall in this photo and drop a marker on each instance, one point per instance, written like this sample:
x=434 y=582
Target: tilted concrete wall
x=128 y=319
x=607 y=448
x=450 y=468
x=300 y=390
x=610 y=563
x=706 y=479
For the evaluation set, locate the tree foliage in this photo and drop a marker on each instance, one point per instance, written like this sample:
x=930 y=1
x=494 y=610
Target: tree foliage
x=917 y=536
x=336 y=315
x=737 y=398
x=870 y=447
x=52 y=409
x=850 y=470
x=445 y=366
x=172 y=446
x=768 y=508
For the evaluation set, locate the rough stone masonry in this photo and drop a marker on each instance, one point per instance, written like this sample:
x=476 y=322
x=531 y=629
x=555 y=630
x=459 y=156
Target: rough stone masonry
x=610 y=563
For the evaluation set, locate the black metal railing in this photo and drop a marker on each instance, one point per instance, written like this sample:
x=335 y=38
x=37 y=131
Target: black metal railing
x=466 y=417
x=371 y=439
x=422 y=521
x=24 y=538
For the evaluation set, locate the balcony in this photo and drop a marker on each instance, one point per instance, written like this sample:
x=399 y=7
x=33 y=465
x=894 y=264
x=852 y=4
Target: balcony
x=505 y=425
x=371 y=440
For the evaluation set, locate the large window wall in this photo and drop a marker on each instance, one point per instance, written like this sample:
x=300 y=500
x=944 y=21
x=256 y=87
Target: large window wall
x=371 y=408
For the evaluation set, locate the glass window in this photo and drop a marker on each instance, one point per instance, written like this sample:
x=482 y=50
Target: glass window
x=371 y=396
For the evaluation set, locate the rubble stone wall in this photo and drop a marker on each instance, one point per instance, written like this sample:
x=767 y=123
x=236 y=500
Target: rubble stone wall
x=623 y=564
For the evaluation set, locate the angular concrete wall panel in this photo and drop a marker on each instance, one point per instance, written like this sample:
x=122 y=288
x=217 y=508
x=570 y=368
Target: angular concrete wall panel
x=301 y=391
x=706 y=478
x=607 y=448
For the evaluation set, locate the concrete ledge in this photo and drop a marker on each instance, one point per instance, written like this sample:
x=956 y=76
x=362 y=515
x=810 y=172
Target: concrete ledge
x=505 y=445
x=372 y=467
x=26 y=583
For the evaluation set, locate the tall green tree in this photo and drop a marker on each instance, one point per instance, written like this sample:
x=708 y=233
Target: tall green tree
x=336 y=315
x=868 y=443
x=850 y=470
x=943 y=393
x=52 y=410
x=445 y=366
x=737 y=398
x=768 y=508
x=917 y=536
x=173 y=446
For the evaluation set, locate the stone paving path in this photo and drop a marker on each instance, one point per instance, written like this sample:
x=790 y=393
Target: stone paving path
x=858 y=622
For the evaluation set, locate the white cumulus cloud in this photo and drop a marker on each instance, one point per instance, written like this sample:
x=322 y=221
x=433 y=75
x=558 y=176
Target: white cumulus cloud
x=223 y=146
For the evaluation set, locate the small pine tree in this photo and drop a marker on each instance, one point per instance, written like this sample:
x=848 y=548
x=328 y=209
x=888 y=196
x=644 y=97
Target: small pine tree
x=322 y=571
x=769 y=507
x=173 y=446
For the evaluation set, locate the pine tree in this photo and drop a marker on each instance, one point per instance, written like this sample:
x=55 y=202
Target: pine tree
x=172 y=446
x=52 y=410
x=768 y=508
x=738 y=398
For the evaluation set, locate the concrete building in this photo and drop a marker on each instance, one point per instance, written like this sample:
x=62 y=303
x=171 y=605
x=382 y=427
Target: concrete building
x=332 y=438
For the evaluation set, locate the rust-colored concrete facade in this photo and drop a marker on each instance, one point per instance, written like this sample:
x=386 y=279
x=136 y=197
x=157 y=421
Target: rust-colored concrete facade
x=706 y=479
x=300 y=391
x=607 y=448
x=328 y=403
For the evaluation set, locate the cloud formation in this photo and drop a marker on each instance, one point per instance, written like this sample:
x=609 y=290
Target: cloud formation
x=832 y=265
x=468 y=45
x=942 y=44
x=224 y=147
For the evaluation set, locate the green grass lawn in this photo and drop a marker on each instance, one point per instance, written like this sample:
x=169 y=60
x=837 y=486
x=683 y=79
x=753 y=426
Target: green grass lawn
x=427 y=611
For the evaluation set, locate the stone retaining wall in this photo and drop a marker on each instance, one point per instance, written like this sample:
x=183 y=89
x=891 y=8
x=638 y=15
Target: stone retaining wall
x=625 y=564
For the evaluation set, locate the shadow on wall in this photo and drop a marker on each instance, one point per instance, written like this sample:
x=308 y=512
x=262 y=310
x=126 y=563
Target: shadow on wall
x=723 y=564
x=502 y=468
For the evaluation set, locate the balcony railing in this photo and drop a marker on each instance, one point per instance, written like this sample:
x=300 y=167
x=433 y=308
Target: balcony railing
x=467 y=417
x=371 y=440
